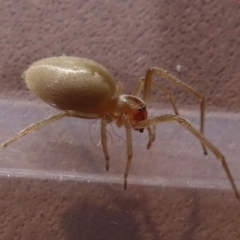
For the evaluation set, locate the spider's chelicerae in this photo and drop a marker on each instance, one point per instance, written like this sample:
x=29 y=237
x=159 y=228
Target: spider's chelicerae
x=85 y=89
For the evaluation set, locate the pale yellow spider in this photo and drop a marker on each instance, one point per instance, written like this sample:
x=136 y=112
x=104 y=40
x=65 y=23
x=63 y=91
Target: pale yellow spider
x=85 y=89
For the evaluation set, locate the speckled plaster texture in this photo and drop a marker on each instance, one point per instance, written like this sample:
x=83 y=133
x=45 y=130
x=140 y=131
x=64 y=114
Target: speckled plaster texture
x=53 y=184
x=128 y=37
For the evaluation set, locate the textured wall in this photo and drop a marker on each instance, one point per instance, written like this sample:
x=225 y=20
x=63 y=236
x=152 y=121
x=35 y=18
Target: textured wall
x=53 y=182
x=200 y=37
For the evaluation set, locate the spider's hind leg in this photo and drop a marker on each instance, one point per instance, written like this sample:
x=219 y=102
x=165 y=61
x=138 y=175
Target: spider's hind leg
x=36 y=126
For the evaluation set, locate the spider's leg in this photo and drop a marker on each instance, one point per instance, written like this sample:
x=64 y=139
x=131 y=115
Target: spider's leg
x=129 y=149
x=146 y=99
x=36 y=126
x=147 y=92
x=199 y=135
x=152 y=135
x=104 y=140
x=119 y=90
x=147 y=82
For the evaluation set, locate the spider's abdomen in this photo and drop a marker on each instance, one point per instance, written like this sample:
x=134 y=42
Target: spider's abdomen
x=70 y=83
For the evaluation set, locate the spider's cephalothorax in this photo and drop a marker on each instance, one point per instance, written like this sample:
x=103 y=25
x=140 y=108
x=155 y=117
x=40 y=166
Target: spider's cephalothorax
x=131 y=107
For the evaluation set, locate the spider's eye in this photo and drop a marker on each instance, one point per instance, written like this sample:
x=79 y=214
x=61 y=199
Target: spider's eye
x=142 y=107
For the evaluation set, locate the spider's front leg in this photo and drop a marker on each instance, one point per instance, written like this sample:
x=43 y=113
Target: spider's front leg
x=128 y=128
x=199 y=135
x=146 y=83
x=104 y=140
x=146 y=87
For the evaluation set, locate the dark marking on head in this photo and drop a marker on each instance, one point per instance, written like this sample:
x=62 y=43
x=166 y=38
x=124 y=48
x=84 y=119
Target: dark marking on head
x=142 y=107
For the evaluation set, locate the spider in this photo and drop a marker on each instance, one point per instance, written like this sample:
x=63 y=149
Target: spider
x=83 y=88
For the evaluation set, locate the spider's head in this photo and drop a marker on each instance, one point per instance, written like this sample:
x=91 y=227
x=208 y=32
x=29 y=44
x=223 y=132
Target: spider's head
x=140 y=114
x=132 y=107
